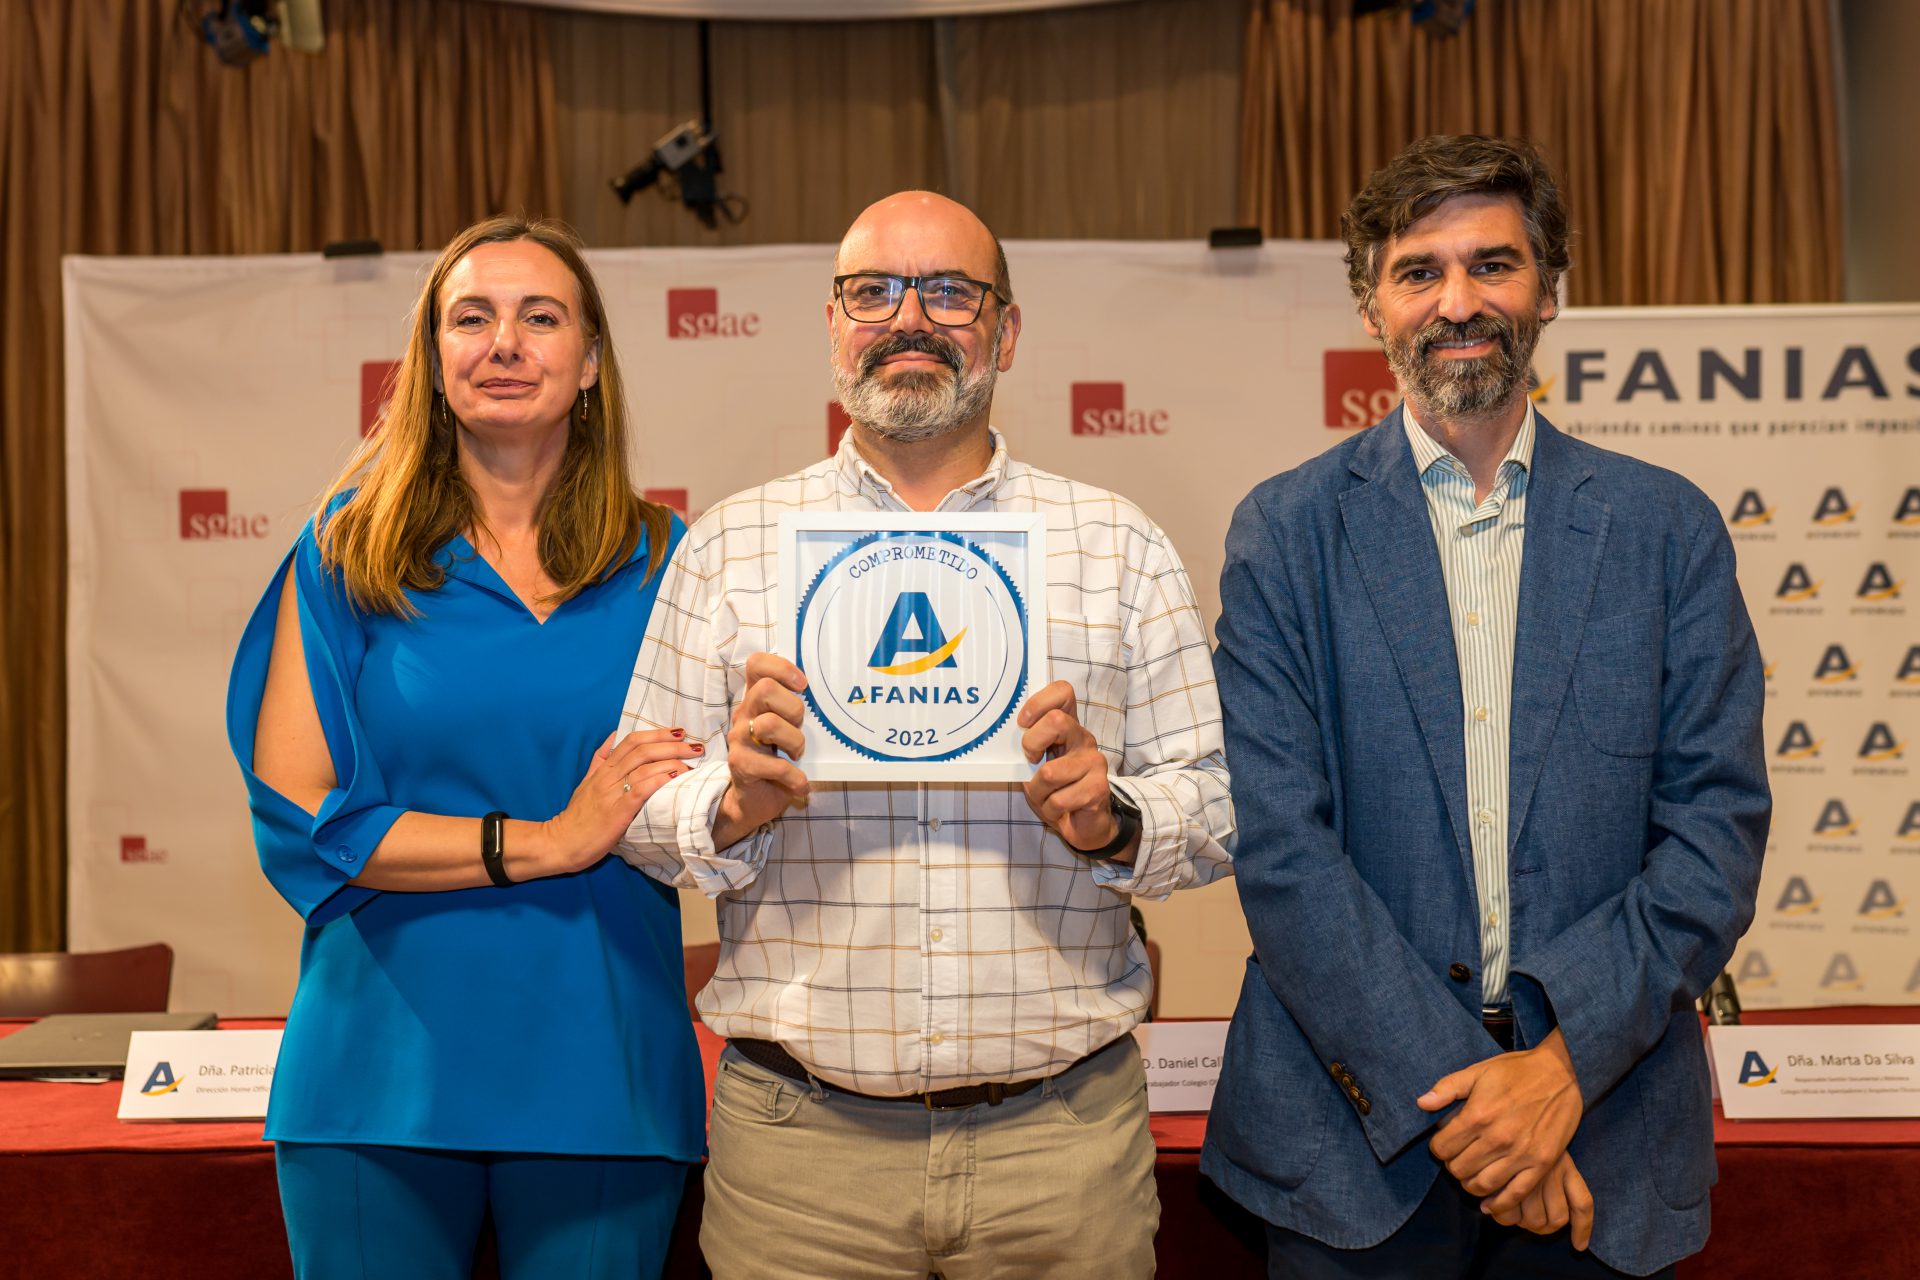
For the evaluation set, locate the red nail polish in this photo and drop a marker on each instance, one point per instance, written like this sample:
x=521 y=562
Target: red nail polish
x=698 y=748
x=679 y=733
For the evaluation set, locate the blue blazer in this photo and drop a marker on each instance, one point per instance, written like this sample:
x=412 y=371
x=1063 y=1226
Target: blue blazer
x=1639 y=810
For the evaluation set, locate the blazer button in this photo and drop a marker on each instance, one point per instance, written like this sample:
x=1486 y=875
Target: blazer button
x=1365 y=1107
x=1336 y=1069
x=1353 y=1090
x=1459 y=972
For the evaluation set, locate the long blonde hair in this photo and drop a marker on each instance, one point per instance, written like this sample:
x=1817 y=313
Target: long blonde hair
x=409 y=496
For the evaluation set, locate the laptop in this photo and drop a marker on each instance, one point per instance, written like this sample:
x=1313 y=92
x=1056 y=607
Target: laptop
x=85 y=1046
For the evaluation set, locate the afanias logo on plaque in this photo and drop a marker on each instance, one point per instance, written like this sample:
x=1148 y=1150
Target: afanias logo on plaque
x=885 y=675
x=919 y=638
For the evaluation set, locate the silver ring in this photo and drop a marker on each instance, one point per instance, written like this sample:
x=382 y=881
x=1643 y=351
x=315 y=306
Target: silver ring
x=626 y=786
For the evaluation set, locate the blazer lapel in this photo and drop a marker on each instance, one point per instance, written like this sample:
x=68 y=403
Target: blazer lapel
x=1391 y=536
x=1566 y=533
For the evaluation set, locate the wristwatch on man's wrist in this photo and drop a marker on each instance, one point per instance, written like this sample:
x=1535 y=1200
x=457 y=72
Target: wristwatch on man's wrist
x=1126 y=816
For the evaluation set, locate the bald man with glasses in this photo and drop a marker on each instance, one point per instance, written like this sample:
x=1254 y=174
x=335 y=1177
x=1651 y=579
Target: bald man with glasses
x=928 y=988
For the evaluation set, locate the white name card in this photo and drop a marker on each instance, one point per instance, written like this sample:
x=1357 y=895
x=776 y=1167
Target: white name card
x=199 y=1075
x=1808 y=1072
x=1183 y=1063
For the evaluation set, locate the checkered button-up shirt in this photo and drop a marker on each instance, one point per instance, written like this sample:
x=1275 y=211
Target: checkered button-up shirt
x=899 y=938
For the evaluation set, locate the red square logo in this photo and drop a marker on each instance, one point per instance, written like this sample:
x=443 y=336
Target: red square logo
x=1360 y=389
x=202 y=511
x=685 y=307
x=1099 y=407
x=674 y=498
x=376 y=386
x=837 y=424
x=134 y=849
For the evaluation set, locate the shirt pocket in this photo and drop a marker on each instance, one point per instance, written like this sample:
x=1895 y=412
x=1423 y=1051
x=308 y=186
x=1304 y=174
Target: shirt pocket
x=1088 y=651
x=1617 y=682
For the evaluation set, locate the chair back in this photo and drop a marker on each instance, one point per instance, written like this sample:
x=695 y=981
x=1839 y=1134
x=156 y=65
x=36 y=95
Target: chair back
x=135 y=980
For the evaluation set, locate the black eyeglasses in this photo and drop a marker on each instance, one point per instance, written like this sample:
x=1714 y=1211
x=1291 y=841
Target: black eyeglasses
x=871 y=298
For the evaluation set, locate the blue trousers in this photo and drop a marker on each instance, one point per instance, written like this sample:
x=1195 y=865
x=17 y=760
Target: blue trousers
x=374 y=1213
x=1447 y=1238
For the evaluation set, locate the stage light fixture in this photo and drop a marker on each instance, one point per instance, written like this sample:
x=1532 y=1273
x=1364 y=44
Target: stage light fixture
x=240 y=31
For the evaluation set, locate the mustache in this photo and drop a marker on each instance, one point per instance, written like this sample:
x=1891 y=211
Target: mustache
x=930 y=344
x=1478 y=329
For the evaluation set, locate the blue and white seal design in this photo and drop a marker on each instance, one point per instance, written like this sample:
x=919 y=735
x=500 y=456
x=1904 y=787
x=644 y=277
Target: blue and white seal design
x=915 y=646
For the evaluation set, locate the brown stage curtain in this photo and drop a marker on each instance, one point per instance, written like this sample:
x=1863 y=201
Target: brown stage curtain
x=1113 y=121
x=119 y=133
x=1698 y=140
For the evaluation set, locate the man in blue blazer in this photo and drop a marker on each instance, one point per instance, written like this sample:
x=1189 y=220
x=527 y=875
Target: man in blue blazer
x=1493 y=717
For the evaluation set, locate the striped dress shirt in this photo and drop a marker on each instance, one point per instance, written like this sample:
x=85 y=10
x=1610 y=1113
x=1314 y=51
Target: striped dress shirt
x=902 y=938
x=1480 y=546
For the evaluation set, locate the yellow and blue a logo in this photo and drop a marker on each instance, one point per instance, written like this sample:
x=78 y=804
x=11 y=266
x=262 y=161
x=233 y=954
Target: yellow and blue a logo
x=161 y=1081
x=1833 y=509
x=1755 y=1072
x=913 y=628
x=1835 y=666
x=1750 y=511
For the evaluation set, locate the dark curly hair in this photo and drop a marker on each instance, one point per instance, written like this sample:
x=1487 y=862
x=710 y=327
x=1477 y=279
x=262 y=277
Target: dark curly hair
x=1436 y=169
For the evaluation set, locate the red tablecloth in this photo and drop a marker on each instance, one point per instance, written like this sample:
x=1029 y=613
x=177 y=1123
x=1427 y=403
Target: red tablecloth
x=83 y=1195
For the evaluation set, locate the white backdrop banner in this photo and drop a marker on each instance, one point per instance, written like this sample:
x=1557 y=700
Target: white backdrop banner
x=210 y=399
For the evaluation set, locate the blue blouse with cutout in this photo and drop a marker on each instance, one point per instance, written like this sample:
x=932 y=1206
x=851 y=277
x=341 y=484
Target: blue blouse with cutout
x=547 y=1017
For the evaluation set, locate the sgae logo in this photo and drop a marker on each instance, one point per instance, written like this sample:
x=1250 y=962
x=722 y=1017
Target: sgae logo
x=1840 y=974
x=134 y=849
x=1833 y=509
x=1795 y=584
x=204 y=518
x=1798 y=743
x=1908 y=512
x=161 y=1081
x=1910 y=825
x=1750 y=511
x=674 y=499
x=696 y=313
x=1797 y=899
x=1834 y=820
x=1358 y=387
x=1881 y=903
x=1913 y=982
x=837 y=424
x=1835 y=666
x=376 y=386
x=1880 y=744
x=1754 y=1071
x=1100 y=409
x=1879 y=584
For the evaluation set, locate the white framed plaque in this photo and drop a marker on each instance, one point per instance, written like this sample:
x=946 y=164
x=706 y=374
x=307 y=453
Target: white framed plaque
x=920 y=636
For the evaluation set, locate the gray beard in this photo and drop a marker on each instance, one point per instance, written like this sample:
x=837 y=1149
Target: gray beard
x=1465 y=388
x=921 y=405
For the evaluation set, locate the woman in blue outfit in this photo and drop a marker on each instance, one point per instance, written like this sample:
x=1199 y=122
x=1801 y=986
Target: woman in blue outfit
x=490 y=1016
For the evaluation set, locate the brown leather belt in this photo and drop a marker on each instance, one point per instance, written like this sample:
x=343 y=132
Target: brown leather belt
x=765 y=1053
x=1499 y=1025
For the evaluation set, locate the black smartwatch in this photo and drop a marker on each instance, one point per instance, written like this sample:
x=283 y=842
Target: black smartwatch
x=1127 y=816
x=493 y=847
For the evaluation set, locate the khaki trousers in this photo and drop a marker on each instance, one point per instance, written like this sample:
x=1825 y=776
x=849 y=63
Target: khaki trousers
x=810 y=1184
